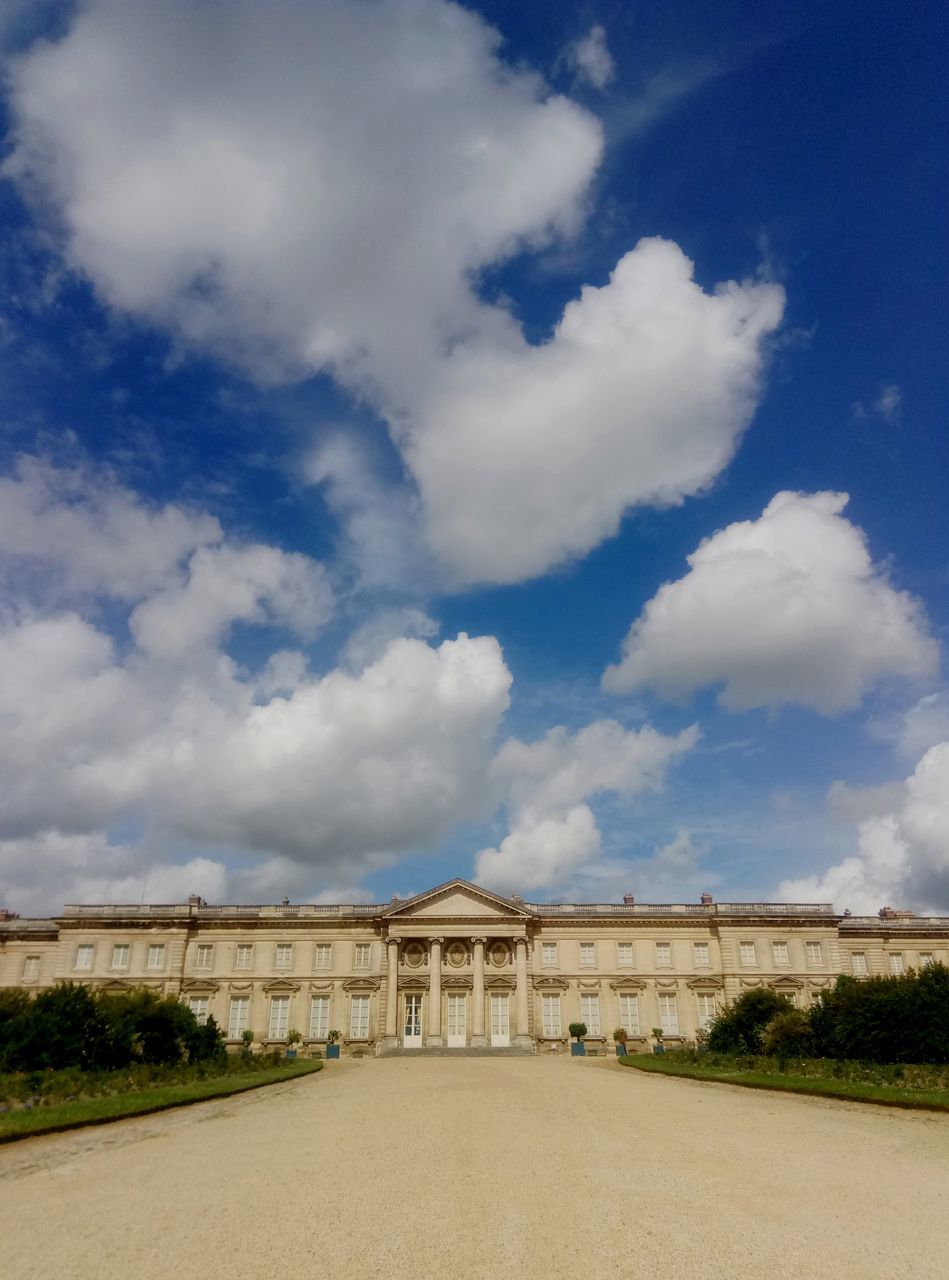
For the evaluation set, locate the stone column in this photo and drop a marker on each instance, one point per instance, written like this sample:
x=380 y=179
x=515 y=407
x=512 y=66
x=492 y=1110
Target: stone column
x=478 y=1038
x=435 y=992
x=392 y=992
x=522 y=1039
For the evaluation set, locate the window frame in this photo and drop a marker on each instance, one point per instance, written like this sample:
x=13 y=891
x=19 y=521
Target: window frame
x=162 y=951
x=360 y=1031
x=323 y=1001
x=201 y=1018
x=118 y=965
x=241 y=949
x=32 y=965
x=545 y=960
x=663 y=954
x=238 y=1002
x=672 y=1029
x=630 y=1025
x=587 y=948
x=631 y=949
x=319 y=947
x=202 y=948
x=862 y=969
x=83 y=949
x=742 y=958
x=277 y=1003
x=809 y=949
x=895 y=963
x=591 y=1015
x=358 y=948
x=777 y=945
x=698 y=947
x=705 y=1020
x=551 y=1005
x=926 y=958
x=283 y=956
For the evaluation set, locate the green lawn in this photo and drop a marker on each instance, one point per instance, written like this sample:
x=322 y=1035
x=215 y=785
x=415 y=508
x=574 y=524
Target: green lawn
x=87 y=1111
x=852 y=1090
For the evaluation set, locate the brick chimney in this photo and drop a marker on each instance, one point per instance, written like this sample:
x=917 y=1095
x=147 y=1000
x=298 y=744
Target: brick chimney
x=707 y=899
x=629 y=900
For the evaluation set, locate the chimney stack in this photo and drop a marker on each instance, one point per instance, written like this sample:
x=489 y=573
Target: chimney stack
x=707 y=899
x=629 y=900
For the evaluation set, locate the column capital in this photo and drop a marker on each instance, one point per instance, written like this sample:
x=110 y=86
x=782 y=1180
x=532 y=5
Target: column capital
x=393 y=938
x=481 y=939
x=438 y=940
x=520 y=939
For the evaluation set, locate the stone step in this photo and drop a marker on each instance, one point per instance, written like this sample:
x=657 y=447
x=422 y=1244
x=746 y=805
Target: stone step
x=456 y=1053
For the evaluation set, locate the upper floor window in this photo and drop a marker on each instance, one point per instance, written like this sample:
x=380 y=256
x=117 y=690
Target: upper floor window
x=700 y=955
x=84 y=956
x=815 y=952
x=624 y=953
x=361 y=953
x=283 y=955
x=548 y=953
x=858 y=963
x=748 y=953
x=322 y=956
x=896 y=962
x=204 y=956
x=31 y=968
x=588 y=953
x=663 y=955
x=120 y=956
x=779 y=953
x=199 y=1007
x=243 y=955
x=156 y=956
x=706 y=1010
x=925 y=958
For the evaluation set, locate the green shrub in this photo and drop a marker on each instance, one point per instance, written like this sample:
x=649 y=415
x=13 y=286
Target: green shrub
x=740 y=1026
x=897 y=1019
x=789 y=1035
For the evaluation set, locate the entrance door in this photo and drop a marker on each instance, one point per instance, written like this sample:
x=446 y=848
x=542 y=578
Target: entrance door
x=500 y=1022
x=412 y=1039
x=456 y=1021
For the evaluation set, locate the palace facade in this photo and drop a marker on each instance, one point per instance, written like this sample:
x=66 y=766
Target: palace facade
x=461 y=967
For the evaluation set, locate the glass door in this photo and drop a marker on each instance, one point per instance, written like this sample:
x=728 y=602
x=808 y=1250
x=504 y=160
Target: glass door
x=412 y=1026
x=456 y=1022
x=500 y=1022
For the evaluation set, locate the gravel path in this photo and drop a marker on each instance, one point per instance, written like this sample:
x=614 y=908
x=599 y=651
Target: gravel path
x=479 y=1168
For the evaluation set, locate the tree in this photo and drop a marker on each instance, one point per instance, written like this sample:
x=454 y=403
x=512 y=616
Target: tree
x=739 y=1027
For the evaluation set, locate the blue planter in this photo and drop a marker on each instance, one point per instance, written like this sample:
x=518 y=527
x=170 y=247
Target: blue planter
x=290 y=1055
x=621 y=1051
x=659 y=1048
x=332 y=1051
x=578 y=1050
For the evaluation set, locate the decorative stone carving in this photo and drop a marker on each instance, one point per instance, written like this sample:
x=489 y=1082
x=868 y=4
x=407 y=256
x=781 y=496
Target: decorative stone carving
x=456 y=954
x=706 y=983
x=499 y=954
x=281 y=986
x=456 y=982
x=361 y=984
x=630 y=984
x=551 y=984
x=414 y=955
x=499 y=983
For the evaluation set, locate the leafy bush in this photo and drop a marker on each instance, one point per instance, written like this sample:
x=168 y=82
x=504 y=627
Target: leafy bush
x=578 y=1030
x=898 y=1019
x=789 y=1035
x=740 y=1026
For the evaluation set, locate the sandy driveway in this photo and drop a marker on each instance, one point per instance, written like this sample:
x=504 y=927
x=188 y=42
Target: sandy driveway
x=480 y=1168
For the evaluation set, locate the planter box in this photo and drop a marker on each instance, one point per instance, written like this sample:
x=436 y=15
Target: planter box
x=332 y=1051
x=578 y=1050
x=621 y=1051
x=290 y=1055
x=659 y=1048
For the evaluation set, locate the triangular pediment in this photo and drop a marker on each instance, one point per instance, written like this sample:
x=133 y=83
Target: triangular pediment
x=457 y=899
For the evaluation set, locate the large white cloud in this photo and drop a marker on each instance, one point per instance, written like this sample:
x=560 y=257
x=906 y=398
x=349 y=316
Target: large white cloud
x=788 y=608
x=554 y=834
x=902 y=857
x=317 y=185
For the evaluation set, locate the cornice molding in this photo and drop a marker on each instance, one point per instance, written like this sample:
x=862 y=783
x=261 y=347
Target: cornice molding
x=361 y=984
x=551 y=984
x=281 y=986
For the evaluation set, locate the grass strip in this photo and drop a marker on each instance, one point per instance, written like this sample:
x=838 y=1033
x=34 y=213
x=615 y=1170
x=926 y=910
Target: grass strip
x=849 y=1090
x=118 y=1106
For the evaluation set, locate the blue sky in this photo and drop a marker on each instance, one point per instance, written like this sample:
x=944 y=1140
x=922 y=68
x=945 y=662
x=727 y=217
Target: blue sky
x=425 y=433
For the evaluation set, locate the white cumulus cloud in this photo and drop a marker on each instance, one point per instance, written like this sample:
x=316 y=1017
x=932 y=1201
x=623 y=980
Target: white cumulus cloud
x=592 y=57
x=902 y=857
x=788 y=608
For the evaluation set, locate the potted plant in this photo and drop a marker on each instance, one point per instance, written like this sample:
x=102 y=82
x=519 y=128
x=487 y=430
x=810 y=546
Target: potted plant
x=247 y=1039
x=293 y=1039
x=332 y=1044
x=579 y=1030
x=658 y=1047
x=621 y=1037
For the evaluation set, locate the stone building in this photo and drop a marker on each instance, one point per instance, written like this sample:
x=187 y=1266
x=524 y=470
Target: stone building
x=459 y=966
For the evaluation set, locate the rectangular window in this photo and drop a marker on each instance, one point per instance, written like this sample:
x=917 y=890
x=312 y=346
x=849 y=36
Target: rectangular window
x=31 y=968
x=925 y=958
x=747 y=953
x=120 y=956
x=204 y=956
x=588 y=954
x=199 y=1007
x=668 y=1015
x=780 y=954
x=858 y=963
x=361 y=955
x=815 y=952
x=238 y=1016
x=156 y=956
x=700 y=955
x=629 y=1014
x=322 y=956
x=896 y=962
x=243 y=955
x=84 y=956
x=548 y=954
x=590 y=1013
x=319 y=1017
x=279 y=1017
x=359 y=1018
x=663 y=955
x=551 y=1015
x=624 y=953
x=283 y=955
x=706 y=1010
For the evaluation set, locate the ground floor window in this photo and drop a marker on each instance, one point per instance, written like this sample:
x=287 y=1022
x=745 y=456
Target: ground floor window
x=551 y=1015
x=279 y=1017
x=238 y=1017
x=629 y=1014
x=706 y=1011
x=359 y=1018
x=199 y=1007
x=319 y=1017
x=668 y=1015
x=590 y=1013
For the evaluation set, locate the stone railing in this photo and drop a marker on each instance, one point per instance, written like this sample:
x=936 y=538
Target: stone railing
x=861 y=923
x=682 y=909
x=166 y=910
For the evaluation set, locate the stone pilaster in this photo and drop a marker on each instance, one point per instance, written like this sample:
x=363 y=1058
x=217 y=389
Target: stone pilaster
x=435 y=993
x=478 y=1038
x=522 y=1039
x=392 y=992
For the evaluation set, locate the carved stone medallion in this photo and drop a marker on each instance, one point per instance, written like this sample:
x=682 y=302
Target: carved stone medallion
x=457 y=954
x=413 y=955
x=499 y=954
